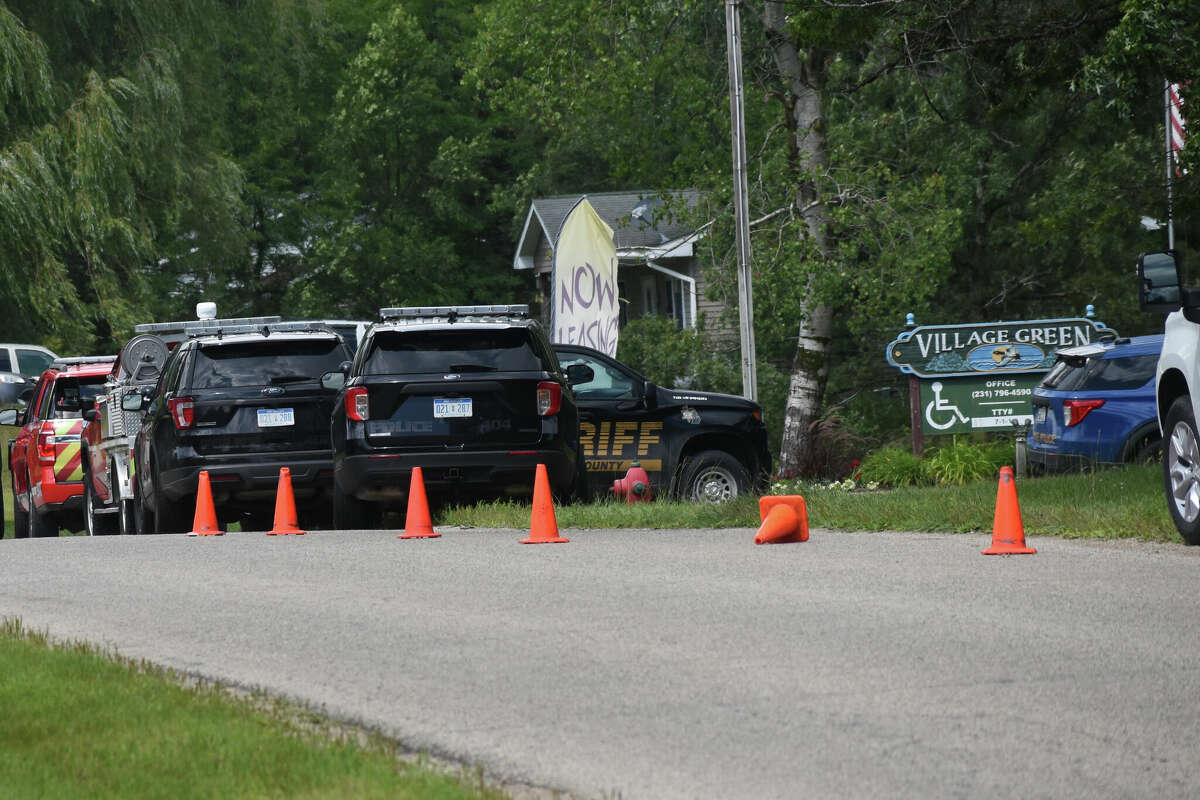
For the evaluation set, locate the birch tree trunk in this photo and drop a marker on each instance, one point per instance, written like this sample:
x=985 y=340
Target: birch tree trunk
x=802 y=72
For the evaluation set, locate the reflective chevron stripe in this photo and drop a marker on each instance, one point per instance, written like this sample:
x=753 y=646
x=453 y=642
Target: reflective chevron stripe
x=68 y=464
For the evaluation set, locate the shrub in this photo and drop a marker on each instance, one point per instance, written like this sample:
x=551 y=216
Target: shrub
x=960 y=462
x=832 y=451
x=893 y=466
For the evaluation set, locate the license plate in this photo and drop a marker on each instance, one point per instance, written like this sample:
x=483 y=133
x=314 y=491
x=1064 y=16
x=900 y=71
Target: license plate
x=1041 y=413
x=451 y=407
x=275 y=417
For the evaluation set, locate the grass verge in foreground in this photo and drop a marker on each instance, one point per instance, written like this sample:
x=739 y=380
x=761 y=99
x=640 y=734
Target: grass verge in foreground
x=1106 y=504
x=79 y=722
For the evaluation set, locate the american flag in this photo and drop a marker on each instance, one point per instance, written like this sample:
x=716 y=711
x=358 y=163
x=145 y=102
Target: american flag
x=1178 y=123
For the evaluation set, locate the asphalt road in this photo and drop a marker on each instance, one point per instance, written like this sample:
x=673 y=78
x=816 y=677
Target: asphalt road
x=681 y=664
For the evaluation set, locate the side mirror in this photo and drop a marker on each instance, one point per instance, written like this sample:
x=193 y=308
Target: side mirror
x=650 y=395
x=132 y=402
x=91 y=415
x=9 y=416
x=334 y=380
x=580 y=373
x=1159 y=287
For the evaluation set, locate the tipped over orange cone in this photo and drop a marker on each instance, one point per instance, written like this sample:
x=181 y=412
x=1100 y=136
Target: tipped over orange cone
x=205 y=521
x=1008 y=534
x=543 y=528
x=417 y=522
x=784 y=519
x=285 y=507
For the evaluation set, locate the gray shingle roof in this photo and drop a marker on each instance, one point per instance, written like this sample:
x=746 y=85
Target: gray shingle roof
x=616 y=208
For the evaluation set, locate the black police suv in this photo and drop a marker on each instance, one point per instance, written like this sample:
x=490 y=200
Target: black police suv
x=700 y=446
x=240 y=401
x=473 y=395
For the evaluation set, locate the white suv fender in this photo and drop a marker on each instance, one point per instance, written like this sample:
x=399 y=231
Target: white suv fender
x=1178 y=366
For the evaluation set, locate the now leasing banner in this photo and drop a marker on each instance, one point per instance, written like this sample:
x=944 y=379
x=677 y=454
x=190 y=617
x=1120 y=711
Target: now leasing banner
x=584 y=291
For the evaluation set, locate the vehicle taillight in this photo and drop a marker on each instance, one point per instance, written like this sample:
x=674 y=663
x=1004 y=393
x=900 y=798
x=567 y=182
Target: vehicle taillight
x=182 y=411
x=549 y=398
x=1075 y=410
x=45 y=443
x=358 y=406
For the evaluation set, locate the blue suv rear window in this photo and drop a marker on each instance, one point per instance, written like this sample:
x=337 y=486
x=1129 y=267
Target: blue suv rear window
x=1101 y=374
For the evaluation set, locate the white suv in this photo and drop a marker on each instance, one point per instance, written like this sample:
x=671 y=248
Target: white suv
x=1177 y=385
x=20 y=367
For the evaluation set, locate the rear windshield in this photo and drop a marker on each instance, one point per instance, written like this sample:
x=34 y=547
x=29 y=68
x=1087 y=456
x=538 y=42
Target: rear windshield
x=1101 y=374
x=265 y=363
x=73 y=396
x=445 y=351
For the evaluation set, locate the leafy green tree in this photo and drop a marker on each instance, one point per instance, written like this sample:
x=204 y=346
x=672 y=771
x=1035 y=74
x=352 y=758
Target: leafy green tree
x=411 y=223
x=100 y=162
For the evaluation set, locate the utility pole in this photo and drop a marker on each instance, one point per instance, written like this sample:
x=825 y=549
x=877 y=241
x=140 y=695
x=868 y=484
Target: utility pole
x=733 y=31
x=1170 y=158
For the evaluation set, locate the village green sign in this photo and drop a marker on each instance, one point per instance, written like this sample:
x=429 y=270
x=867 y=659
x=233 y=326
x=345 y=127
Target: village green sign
x=945 y=351
x=980 y=378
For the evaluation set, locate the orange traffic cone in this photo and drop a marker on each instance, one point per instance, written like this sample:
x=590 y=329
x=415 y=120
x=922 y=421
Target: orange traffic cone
x=784 y=519
x=417 y=523
x=285 y=506
x=543 y=528
x=205 y=521
x=1008 y=534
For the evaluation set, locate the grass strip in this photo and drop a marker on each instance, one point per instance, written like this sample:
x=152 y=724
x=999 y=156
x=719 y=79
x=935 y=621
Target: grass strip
x=1106 y=504
x=608 y=513
x=80 y=722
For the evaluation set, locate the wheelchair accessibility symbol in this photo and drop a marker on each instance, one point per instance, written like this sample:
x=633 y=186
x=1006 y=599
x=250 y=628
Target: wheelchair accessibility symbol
x=943 y=408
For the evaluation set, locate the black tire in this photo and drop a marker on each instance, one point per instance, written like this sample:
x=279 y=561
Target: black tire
x=94 y=523
x=1181 y=461
x=170 y=516
x=20 y=518
x=143 y=517
x=352 y=514
x=40 y=526
x=1150 y=451
x=581 y=490
x=713 y=476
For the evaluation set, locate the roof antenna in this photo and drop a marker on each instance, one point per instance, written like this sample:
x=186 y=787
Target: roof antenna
x=452 y=316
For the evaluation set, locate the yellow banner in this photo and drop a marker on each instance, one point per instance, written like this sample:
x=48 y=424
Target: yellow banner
x=585 y=282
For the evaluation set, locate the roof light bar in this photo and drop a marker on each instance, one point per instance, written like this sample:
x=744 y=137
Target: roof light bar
x=186 y=326
x=416 y=312
x=59 y=363
x=299 y=326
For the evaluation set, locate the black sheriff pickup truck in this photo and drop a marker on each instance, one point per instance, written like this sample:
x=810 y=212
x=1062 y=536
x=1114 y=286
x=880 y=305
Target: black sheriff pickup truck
x=696 y=445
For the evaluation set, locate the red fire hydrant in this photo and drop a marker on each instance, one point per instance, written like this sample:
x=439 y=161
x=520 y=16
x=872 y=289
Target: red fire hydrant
x=635 y=486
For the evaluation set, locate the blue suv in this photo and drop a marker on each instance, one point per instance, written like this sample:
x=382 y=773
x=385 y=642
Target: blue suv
x=1096 y=407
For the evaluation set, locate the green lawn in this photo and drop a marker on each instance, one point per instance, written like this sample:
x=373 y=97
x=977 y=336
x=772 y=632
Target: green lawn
x=81 y=723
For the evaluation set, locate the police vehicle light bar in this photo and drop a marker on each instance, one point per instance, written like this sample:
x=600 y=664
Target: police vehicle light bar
x=222 y=329
x=413 y=312
x=186 y=326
